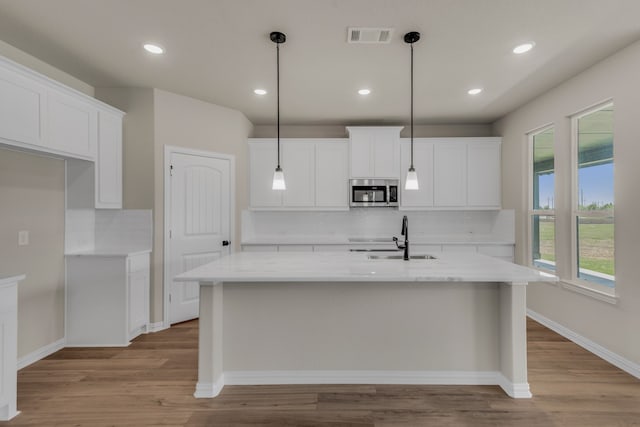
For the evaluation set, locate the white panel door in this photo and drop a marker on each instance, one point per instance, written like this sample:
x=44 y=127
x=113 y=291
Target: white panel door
x=109 y=161
x=299 y=166
x=484 y=176
x=386 y=154
x=450 y=174
x=423 y=163
x=200 y=203
x=361 y=143
x=332 y=175
x=72 y=125
x=262 y=164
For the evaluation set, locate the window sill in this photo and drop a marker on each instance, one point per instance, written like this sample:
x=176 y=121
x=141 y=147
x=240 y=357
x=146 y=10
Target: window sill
x=606 y=296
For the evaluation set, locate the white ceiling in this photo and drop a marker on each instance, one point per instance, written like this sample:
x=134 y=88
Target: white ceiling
x=219 y=51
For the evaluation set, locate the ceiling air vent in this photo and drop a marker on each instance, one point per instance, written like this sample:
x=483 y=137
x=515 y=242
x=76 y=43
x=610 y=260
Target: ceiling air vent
x=369 y=35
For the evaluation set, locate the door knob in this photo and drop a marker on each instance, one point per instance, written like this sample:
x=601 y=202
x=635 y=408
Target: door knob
x=225 y=243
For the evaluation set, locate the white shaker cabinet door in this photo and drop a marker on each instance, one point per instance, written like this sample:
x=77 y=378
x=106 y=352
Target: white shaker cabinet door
x=298 y=165
x=423 y=163
x=450 y=174
x=72 y=125
x=109 y=161
x=483 y=174
x=262 y=164
x=361 y=146
x=386 y=153
x=332 y=175
x=22 y=105
x=138 y=269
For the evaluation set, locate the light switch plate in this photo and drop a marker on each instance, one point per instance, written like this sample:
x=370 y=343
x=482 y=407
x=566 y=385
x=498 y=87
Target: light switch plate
x=23 y=237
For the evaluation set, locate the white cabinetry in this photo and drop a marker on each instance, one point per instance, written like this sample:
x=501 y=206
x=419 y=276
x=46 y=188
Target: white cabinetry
x=72 y=125
x=108 y=168
x=375 y=151
x=22 y=109
x=107 y=298
x=453 y=173
x=298 y=160
x=8 y=346
x=483 y=174
x=315 y=172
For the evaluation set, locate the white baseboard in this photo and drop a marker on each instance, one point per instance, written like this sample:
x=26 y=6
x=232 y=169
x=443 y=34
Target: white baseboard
x=204 y=390
x=156 y=327
x=611 y=357
x=40 y=353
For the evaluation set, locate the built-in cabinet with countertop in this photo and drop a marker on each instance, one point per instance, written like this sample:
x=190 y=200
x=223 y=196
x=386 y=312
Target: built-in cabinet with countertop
x=107 y=297
x=8 y=345
x=453 y=173
x=40 y=115
x=315 y=170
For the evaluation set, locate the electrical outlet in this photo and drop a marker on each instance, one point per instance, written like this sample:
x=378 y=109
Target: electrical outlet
x=23 y=237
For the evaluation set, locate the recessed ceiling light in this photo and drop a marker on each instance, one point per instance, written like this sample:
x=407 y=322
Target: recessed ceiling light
x=364 y=91
x=260 y=91
x=474 y=91
x=525 y=47
x=153 y=48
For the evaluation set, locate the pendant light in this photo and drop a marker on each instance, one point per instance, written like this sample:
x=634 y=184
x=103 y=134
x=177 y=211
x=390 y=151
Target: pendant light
x=411 y=183
x=278 y=176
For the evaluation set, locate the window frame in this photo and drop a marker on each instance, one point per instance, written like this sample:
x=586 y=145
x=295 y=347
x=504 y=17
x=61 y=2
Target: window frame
x=574 y=280
x=531 y=212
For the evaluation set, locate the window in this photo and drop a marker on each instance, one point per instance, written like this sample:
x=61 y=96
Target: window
x=592 y=251
x=542 y=253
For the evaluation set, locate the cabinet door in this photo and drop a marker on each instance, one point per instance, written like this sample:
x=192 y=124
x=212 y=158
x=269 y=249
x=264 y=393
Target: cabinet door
x=483 y=179
x=72 y=125
x=386 y=154
x=298 y=165
x=423 y=163
x=332 y=175
x=109 y=161
x=138 y=289
x=22 y=103
x=361 y=153
x=262 y=164
x=450 y=174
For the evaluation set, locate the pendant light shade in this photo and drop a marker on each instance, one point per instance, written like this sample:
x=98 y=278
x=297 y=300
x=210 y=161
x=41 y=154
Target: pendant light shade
x=278 y=176
x=411 y=183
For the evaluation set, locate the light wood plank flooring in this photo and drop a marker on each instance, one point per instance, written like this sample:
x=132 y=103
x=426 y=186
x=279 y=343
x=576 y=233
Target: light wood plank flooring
x=152 y=381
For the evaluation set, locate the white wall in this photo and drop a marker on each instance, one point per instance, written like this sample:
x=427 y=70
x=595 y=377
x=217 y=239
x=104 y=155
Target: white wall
x=32 y=198
x=614 y=327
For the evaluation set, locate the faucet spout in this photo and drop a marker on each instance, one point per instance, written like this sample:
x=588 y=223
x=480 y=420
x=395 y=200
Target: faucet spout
x=405 y=233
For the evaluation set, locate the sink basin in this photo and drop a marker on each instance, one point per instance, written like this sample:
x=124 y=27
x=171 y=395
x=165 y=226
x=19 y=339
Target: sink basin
x=401 y=257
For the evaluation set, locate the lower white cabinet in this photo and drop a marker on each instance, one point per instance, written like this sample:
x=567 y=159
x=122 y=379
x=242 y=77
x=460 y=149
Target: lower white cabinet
x=8 y=346
x=107 y=299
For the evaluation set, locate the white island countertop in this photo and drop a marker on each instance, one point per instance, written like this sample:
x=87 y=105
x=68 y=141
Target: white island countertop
x=357 y=267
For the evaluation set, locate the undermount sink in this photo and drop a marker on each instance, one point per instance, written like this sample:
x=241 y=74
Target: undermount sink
x=401 y=257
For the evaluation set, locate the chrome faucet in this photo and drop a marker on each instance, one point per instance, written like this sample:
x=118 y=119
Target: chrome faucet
x=405 y=233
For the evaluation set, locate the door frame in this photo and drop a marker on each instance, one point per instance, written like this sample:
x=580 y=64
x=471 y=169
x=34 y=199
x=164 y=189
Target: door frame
x=168 y=151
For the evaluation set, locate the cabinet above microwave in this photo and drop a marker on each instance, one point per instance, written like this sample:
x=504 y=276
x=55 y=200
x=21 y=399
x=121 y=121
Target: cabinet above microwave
x=374 y=151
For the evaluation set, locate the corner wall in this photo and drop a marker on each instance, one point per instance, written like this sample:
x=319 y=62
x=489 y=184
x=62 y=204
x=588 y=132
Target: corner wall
x=614 y=327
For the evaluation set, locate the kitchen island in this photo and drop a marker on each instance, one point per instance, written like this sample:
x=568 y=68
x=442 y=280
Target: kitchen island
x=343 y=318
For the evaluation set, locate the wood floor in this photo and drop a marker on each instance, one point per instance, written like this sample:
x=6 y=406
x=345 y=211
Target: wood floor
x=152 y=381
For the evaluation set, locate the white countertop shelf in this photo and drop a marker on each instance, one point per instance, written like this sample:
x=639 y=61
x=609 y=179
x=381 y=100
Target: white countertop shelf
x=6 y=279
x=111 y=252
x=357 y=267
x=357 y=240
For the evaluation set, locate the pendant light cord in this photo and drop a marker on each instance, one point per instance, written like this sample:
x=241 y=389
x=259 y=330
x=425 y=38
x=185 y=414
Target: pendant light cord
x=278 y=96
x=411 y=105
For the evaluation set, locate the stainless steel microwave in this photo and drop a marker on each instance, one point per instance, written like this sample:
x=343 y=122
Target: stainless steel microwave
x=373 y=193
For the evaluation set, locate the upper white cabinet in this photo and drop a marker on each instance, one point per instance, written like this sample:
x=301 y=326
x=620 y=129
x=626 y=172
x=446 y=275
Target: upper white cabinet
x=72 y=125
x=39 y=114
x=484 y=174
x=22 y=108
x=374 y=151
x=453 y=173
x=315 y=172
x=450 y=174
x=108 y=168
x=298 y=161
x=332 y=173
